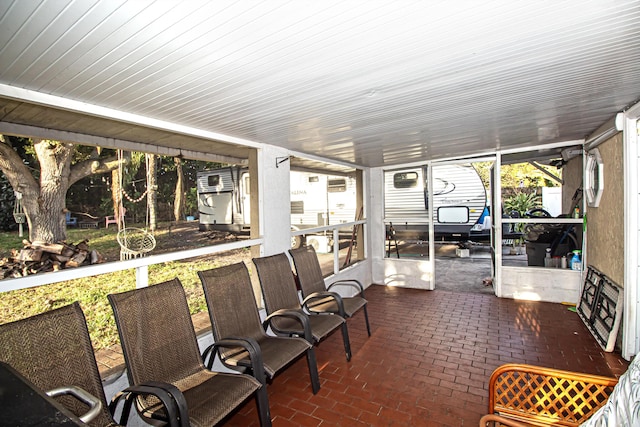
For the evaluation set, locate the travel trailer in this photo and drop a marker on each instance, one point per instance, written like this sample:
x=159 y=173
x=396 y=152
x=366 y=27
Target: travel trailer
x=459 y=203
x=316 y=200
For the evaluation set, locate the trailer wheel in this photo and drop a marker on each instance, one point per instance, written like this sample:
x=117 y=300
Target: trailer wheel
x=296 y=242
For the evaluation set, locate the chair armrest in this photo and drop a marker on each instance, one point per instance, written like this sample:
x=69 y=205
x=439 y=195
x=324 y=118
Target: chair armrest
x=171 y=397
x=530 y=393
x=292 y=314
x=249 y=344
x=500 y=420
x=322 y=295
x=85 y=397
x=349 y=282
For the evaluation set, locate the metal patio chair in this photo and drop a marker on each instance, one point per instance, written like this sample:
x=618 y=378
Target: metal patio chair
x=53 y=351
x=317 y=297
x=280 y=294
x=234 y=313
x=159 y=344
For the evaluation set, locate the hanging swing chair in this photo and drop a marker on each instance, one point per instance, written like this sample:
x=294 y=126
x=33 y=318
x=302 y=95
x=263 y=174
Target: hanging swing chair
x=134 y=242
x=18 y=213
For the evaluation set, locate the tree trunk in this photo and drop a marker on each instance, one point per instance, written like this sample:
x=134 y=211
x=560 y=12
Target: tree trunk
x=44 y=201
x=152 y=191
x=178 y=202
x=55 y=167
x=116 y=195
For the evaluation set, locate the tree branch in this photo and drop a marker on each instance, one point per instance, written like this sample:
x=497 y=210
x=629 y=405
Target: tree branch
x=93 y=166
x=18 y=174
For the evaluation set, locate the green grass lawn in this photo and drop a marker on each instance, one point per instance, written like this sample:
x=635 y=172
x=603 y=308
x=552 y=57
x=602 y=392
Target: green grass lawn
x=91 y=292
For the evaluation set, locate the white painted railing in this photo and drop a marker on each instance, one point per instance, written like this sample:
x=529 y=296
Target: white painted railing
x=335 y=229
x=140 y=264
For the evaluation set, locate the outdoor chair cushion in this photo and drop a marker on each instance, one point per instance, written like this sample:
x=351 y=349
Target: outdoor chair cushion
x=623 y=407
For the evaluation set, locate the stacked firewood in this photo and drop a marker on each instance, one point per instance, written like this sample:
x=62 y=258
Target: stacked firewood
x=37 y=257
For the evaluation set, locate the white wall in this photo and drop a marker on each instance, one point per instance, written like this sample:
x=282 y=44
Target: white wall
x=631 y=311
x=375 y=216
x=541 y=284
x=406 y=273
x=275 y=204
x=552 y=200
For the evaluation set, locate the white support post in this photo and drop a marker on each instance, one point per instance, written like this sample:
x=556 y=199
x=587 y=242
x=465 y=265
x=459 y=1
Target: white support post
x=142 y=276
x=336 y=252
x=496 y=213
x=275 y=199
x=631 y=319
x=432 y=228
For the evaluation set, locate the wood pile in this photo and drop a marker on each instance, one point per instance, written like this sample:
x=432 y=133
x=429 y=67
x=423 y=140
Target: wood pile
x=37 y=257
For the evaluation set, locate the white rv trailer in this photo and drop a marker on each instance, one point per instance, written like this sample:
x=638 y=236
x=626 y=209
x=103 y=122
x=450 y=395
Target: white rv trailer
x=459 y=202
x=316 y=200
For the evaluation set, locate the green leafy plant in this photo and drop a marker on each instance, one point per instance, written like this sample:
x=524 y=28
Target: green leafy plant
x=521 y=203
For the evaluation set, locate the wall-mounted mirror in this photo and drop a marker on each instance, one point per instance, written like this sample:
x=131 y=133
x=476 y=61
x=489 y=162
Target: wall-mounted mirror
x=594 y=178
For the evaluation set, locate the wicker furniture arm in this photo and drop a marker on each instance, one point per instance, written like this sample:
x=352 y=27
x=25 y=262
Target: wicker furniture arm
x=542 y=396
x=497 y=420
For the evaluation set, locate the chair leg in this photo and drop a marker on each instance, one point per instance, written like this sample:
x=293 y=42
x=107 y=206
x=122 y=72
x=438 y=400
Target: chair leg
x=313 y=369
x=345 y=338
x=262 y=401
x=366 y=319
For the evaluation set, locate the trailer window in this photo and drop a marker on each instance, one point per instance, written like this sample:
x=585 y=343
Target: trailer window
x=337 y=186
x=297 y=207
x=405 y=180
x=453 y=214
x=213 y=180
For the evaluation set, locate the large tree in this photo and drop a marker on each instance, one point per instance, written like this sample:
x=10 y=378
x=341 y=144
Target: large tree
x=44 y=194
x=179 y=196
x=152 y=190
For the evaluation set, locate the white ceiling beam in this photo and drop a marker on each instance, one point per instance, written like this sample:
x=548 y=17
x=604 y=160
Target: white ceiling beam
x=118 y=144
x=34 y=97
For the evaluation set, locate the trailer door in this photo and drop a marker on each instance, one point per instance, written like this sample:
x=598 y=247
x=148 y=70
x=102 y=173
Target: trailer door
x=245 y=196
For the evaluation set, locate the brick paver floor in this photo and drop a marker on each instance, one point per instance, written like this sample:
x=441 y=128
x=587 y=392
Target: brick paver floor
x=428 y=360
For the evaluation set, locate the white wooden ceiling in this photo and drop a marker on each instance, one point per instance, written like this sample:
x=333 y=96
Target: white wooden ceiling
x=370 y=83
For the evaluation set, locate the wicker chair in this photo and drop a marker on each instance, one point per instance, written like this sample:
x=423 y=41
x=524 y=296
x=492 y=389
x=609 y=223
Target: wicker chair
x=280 y=295
x=319 y=299
x=159 y=344
x=53 y=350
x=524 y=395
x=234 y=313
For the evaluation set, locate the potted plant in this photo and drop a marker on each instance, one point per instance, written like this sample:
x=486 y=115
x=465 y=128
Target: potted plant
x=518 y=205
